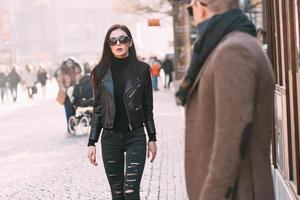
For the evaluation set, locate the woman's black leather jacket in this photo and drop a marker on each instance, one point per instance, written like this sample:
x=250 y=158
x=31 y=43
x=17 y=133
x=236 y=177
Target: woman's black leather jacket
x=137 y=97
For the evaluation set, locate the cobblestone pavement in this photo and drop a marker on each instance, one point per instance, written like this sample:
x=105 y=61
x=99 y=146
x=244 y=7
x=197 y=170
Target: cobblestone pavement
x=39 y=160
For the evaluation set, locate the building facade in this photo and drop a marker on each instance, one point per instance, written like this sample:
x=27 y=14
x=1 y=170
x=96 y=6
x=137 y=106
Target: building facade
x=7 y=30
x=283 y=39
x=49 y=31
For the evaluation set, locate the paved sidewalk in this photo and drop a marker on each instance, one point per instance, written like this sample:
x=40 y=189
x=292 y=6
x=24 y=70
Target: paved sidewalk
x=39 y=160
x=166 y=180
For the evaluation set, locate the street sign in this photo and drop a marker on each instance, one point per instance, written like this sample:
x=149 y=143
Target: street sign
x=5 y=27
x=6 y=57
x=154 y=22
x=6 y=31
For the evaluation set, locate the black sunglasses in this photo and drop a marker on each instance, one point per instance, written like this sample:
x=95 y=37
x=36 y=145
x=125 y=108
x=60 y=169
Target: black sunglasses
x=190 y=11
x=123 y=39
x=190 y=8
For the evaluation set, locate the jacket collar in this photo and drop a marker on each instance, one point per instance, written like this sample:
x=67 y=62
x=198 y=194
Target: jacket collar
x=132 y=78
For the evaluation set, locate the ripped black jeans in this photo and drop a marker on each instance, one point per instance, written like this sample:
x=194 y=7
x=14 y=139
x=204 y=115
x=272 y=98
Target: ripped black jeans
x=119 y=150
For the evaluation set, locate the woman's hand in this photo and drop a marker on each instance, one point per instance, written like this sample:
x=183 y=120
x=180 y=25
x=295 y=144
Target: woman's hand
x=152 y=149
x=91 y=154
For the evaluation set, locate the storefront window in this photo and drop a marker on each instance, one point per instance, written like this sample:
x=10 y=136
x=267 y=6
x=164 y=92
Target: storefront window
x=284 y=40
x=296 y=62
x=297 y=33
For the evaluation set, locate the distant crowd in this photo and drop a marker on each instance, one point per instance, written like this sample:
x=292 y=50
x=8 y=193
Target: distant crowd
x=33 y=78
x=157 y=66
x=28 y=76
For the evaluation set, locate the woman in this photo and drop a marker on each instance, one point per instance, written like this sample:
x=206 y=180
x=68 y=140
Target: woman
x=123 y=104
x=29 y=79
x=67 y=76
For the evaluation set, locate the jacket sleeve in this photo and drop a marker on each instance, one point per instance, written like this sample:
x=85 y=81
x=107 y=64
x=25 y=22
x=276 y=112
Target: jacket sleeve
x=234 y=78
x=148 y=105
x=96 y=118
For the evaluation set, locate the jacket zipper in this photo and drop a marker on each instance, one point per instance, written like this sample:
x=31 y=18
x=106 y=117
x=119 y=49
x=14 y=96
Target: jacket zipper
x=133 y=92
x=130 y=127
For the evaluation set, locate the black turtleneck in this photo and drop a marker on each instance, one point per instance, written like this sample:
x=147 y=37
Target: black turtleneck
x=119 y=68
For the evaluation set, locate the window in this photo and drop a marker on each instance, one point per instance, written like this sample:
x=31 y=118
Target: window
x=284 y=42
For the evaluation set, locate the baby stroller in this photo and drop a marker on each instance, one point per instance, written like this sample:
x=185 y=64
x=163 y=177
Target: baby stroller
x=81 y=96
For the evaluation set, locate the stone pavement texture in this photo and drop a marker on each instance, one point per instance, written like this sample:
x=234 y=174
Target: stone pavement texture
x=39 y=160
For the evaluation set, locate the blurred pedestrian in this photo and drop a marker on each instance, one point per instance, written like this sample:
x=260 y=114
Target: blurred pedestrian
x=13 y=80
x=155 y=72
x=29 y=79
x=77 y=72
x=123 y=104
x=3 y=80
x=87 y=68
x=67 y=76
x=168 y=70
x=42 y=77
x=229 y=107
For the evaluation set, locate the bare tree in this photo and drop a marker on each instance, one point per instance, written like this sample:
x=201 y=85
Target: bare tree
x=182 y=47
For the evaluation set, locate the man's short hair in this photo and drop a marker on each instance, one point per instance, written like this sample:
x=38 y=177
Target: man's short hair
x=221 y=5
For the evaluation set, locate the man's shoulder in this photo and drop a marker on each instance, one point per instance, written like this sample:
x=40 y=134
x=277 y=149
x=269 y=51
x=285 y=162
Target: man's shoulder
x=240 y=45
x=238 y=51
x=239 y=40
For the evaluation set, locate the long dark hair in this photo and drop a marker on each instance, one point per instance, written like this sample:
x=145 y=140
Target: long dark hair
x=107 y=55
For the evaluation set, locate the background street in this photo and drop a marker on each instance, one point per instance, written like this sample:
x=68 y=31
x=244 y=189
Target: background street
x=39 y=160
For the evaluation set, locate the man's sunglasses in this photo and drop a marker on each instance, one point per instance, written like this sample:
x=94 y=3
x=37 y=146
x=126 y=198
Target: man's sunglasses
x=122 y=40
x=190 y=8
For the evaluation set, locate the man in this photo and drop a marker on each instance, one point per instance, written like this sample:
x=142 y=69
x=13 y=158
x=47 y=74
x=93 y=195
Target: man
x=3 y=80
x=168 y=69
x=229 y=107
x=13 y=80
x=155 y=72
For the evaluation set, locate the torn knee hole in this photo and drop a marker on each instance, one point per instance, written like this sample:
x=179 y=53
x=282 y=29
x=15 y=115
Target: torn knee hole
x=117 y=185
x=129 y=191
x=135 y=163
x=112 y=175
x=133 y=174
x=118 y=192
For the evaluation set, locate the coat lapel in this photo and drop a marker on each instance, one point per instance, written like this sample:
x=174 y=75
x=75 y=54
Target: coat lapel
x=196 y=82
x=108 y=82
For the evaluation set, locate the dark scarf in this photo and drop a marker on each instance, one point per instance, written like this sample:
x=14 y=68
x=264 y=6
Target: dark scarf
x=210 y=33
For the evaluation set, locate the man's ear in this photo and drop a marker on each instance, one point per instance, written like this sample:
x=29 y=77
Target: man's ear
x=130 y=43
x=205 y=11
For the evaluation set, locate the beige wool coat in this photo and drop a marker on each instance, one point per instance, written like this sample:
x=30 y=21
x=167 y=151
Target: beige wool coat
x=229 y=119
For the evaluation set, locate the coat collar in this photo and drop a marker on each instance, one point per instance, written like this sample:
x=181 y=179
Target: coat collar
x=200 y=74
